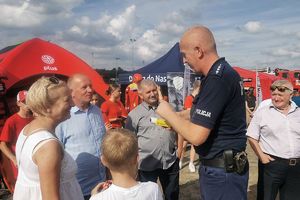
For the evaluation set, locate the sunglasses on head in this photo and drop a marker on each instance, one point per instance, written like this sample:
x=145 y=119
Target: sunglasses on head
x=279 y=88
x=53 y=80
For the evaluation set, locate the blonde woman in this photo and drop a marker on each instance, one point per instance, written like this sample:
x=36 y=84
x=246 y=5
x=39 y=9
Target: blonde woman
x=46 y=171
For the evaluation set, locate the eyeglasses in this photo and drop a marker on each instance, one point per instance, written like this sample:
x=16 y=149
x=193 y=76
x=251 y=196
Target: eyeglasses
x=279 y=88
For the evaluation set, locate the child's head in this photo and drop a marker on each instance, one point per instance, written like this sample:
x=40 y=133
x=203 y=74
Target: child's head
x=21 y=102
x=119 y=150
x=95 y=100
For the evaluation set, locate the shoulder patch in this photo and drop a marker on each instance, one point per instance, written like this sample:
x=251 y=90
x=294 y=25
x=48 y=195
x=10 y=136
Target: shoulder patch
x=219 y=70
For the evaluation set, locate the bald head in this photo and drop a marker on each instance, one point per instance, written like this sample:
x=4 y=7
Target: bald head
x=82 y=90
x=198 y=47
x=75 y=79
x=199 y=36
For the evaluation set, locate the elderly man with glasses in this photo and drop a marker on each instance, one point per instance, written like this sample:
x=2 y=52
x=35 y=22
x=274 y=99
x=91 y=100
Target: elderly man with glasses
x=274 y=135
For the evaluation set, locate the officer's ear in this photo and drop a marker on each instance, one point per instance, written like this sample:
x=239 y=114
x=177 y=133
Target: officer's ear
x=199 y=51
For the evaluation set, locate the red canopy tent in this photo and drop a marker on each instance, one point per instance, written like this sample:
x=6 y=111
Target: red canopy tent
x=249 y=78
x=38 y=57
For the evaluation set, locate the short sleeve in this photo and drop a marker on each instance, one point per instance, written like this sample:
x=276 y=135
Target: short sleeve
x=253 y=129
x=132 y=122
x=211 y=102
x=7 y=131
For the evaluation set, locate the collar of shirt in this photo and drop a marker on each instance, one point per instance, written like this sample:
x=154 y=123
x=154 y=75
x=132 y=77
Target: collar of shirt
x=292 y=109
x=148 y=107
x=76 y=109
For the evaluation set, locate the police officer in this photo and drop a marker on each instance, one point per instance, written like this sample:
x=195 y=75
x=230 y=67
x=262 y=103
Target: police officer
x=217 y=123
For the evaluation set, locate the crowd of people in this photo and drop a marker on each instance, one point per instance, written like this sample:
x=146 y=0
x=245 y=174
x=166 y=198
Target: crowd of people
x=64 y=144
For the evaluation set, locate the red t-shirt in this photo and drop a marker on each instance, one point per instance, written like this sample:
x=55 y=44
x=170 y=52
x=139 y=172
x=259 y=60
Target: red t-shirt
x=10 y=133
x=11 y=130
x=188 y=102
x=111 y=110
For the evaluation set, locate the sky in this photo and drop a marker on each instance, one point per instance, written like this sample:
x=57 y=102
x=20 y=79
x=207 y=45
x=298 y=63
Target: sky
x=133 y=33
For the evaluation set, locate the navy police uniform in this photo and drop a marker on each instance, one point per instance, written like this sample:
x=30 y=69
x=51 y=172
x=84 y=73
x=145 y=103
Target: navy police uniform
x=220 y=106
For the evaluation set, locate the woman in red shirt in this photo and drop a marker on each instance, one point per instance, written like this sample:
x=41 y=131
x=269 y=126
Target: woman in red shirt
x=113 y=111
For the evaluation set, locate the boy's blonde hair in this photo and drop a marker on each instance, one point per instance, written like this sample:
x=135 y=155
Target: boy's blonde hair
x=119 y=149
x=41 y=94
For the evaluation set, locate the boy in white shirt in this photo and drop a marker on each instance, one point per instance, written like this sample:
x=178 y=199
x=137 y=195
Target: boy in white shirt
x=120 y=156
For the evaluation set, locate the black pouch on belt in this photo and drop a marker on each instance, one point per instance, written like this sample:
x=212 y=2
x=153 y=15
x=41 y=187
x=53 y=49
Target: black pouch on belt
x=241 y=162
x=228 y=161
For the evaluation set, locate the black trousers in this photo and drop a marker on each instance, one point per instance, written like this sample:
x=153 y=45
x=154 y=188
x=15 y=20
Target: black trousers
x=169 y=179
x=278 y=176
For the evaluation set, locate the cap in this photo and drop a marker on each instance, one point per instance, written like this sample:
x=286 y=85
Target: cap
x=137 y=78
x=21 y=96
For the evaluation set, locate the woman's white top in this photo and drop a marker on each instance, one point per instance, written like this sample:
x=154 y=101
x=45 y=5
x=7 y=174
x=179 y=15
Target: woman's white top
x=28 y=181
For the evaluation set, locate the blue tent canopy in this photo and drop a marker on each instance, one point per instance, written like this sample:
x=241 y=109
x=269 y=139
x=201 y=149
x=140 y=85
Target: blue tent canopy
x=157 y=70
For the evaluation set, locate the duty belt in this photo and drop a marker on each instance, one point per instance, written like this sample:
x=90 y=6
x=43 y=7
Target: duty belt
x=230 y=161
x=215 y=162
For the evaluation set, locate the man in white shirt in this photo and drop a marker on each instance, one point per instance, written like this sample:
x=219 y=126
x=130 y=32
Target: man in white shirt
x=274 y=135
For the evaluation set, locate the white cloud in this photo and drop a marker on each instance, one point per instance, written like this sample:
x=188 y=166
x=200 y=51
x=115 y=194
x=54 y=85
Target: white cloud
x=18 y=16
x=155 y=42
x=172 y=24
x=253 y=26
x=224 y=42
x=122 y=23
x=285 y=52
x=27 y=14
x=149 y=44
x=77 y=31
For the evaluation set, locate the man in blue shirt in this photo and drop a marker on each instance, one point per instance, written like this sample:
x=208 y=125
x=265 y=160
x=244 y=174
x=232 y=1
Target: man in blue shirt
x=217 y=124
x=82 y=134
